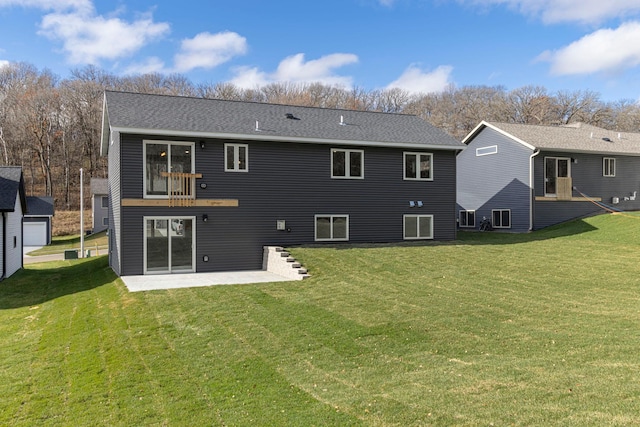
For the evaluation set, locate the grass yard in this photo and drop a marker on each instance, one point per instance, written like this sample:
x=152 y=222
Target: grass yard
x=494 y=329
x=60 y=243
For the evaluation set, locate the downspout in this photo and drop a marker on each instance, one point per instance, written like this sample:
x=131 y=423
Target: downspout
x=531 y=188
x=4 y=246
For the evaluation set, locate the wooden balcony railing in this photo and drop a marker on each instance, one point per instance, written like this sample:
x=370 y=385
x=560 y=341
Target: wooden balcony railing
x=182 y=188
x=564 y=188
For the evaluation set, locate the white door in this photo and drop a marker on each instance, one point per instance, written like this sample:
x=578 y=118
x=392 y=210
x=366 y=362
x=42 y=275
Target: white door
x=35 y=234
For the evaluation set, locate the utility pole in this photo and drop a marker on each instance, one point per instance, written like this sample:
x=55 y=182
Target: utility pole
x=81 y=216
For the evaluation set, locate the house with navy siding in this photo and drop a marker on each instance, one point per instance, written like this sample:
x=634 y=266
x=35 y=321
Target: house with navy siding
x=527 y=177
x=13 y=205
x=202 y=185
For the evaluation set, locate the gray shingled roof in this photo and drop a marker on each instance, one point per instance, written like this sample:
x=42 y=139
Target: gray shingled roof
x=172 y=115
x=99 y=186
x=11 y=186
x=575 y=137
x=40 y=206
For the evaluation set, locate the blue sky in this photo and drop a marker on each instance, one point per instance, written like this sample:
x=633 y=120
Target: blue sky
x=416 y=45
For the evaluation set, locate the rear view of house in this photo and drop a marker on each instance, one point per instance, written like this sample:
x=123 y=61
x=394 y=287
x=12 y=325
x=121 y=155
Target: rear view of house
x=526 y=177
x=201 y=185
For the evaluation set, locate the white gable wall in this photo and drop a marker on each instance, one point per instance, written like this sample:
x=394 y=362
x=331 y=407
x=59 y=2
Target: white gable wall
x=14 y=230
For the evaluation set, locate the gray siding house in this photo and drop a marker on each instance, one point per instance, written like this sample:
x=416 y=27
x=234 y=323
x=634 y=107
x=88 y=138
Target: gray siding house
x=527 y=177
x=37 y=222
x=99 y=204
x=13 y=204
x=201 y=185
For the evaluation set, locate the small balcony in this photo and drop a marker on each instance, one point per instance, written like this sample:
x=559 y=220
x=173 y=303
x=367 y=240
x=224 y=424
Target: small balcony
x=181 y=187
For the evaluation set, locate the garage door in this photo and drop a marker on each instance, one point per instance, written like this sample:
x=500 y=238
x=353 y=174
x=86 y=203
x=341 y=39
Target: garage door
x=35 y=234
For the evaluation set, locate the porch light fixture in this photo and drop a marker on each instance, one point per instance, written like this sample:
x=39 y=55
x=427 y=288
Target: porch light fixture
x=202 y=144
x=205 y=217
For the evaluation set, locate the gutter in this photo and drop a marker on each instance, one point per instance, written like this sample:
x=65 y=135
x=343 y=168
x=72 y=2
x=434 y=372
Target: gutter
x=531 y=188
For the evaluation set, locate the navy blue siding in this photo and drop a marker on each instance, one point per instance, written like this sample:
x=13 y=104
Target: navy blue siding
x=586 y=174
x=291 y=182
x=496 y=181
x=115 y=231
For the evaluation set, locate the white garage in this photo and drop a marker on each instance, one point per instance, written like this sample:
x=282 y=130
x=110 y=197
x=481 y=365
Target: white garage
x=35 y=234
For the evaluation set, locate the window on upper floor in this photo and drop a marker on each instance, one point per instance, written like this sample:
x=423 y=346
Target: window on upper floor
x=609 y=166
x=468 y=219
x=236 y=158
x=104 y=200
x=347 y=164
x=332 y=227
x=486 y=151
x=162 y=158
x=418 y=166
x=501 y=218
x=418 y=227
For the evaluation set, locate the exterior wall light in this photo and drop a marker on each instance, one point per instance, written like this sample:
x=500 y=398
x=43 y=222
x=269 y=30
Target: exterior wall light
x=205 y=217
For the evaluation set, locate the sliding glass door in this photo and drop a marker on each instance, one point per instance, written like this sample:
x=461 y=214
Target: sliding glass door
x=169 y=245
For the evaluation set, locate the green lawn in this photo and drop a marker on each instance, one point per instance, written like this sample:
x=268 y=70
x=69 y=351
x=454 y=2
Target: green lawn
x=60 y=243
x=494 y=329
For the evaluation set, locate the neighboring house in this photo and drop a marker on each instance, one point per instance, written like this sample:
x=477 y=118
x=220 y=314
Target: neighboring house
x=99 y=204
x=13 y=204
x=526 y=177
x=37 y=221
x=201 y=185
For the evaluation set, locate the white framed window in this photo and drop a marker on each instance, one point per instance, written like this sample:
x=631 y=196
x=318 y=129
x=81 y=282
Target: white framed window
x=417 y=227
x=236 y=158
x=608 y=166
x=347 y=164
x=418 y=166
x=162 y=157
x=104 y=200
x=501 y=218
x=331 y=227
x=467 y=219
x=486 y=151
x=105 y=221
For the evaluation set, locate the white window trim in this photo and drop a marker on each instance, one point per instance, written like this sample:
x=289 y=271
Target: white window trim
x=144 y=163
x=105 y=221
x=236 y=157
x=466 y=213
x=604 y=162
x=347 y=162
x=486 y=151
x=417 y=154
x=501 y=210
x=331 y=239
x=556 y=172
x=404 y=225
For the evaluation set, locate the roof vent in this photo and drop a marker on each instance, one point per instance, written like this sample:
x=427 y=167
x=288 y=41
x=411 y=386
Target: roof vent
x=291 y=116
x=606 y=139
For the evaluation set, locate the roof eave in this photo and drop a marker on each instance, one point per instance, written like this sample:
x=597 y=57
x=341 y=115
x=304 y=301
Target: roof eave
x=483 y=124
x=263 y=136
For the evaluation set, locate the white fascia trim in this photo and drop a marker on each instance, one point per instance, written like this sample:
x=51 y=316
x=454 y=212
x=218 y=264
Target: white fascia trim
x=484 y=124
x=277 y=138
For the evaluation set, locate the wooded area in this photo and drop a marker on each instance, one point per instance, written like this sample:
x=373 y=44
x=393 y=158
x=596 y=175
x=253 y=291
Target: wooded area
x=51 y=126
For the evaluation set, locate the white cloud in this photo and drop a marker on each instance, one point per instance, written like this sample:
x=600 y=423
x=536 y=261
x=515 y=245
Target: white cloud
x=207 y=50
x=606 y=50
x=294 y=69
x=414 y=80
x=4 y=63
x=555 y=11
x=87 y=38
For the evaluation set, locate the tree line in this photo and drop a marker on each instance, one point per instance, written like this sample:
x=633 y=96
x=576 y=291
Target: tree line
x=51 y=126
